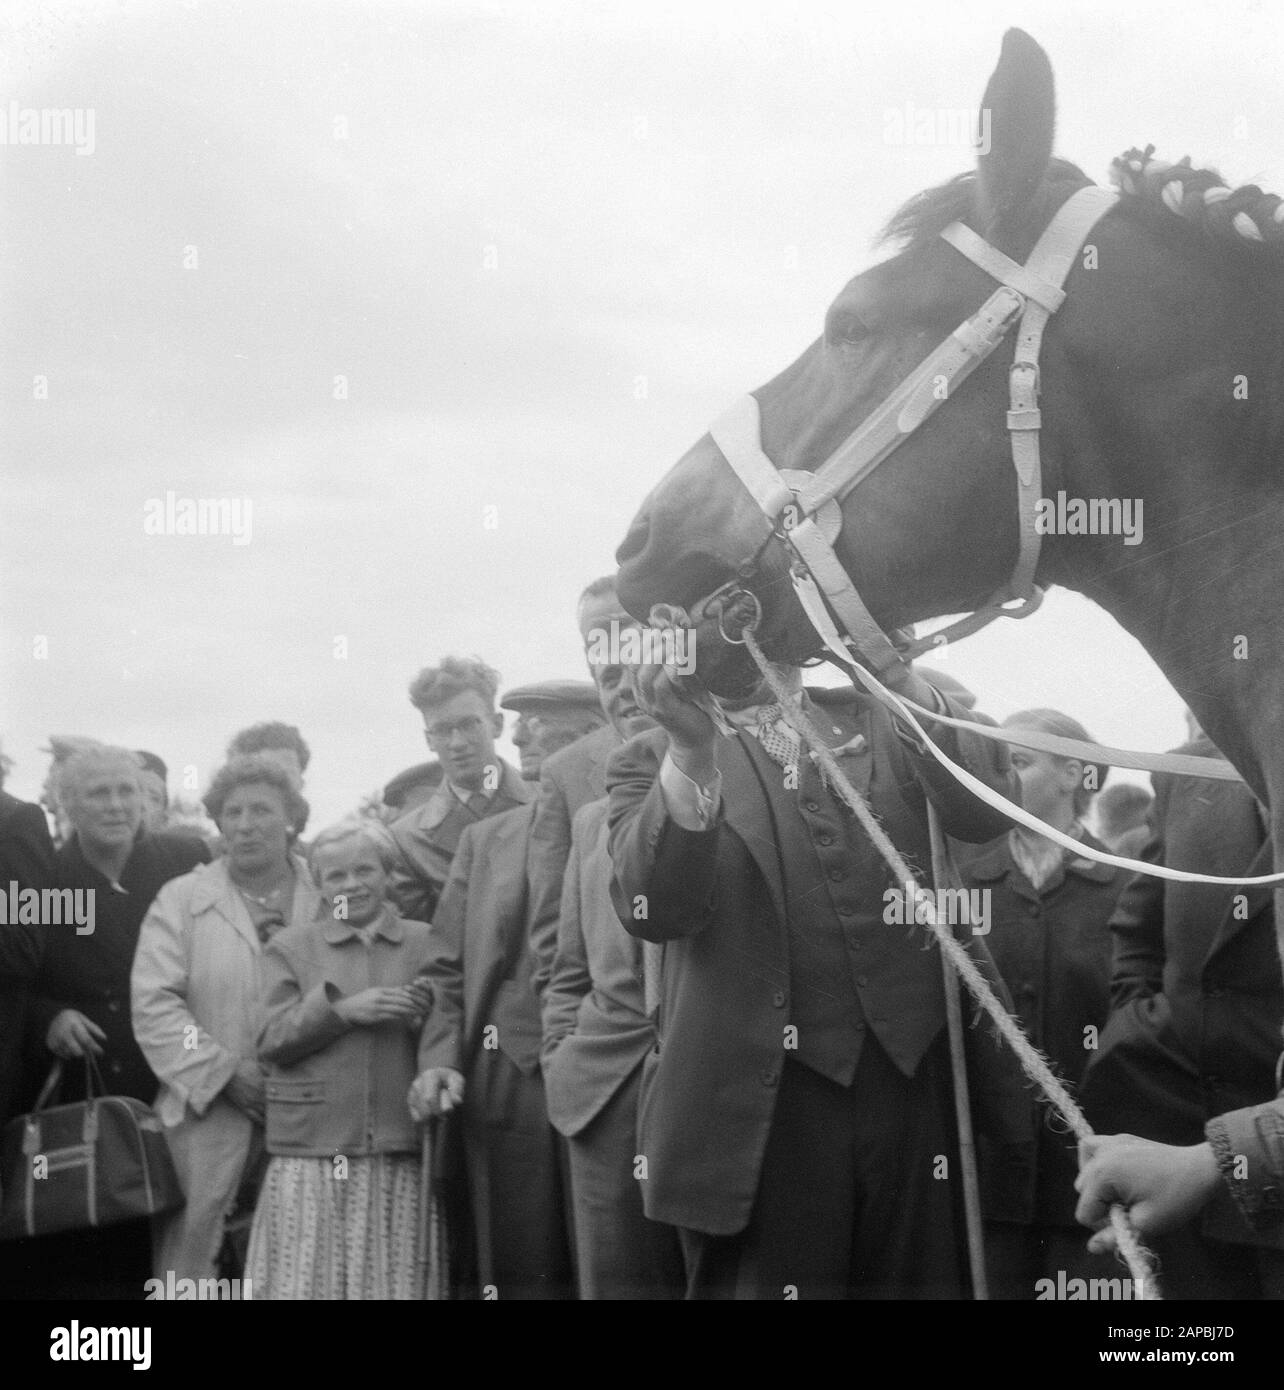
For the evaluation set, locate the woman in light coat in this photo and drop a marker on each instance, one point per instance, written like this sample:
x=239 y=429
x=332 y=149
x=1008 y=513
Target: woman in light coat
x=195 y=995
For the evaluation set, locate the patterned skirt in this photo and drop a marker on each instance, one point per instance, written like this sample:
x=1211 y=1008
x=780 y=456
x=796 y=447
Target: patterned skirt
x=323 y=1233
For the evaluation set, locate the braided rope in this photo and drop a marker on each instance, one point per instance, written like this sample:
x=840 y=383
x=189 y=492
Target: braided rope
x=1035 y=1065
x=1202 y=198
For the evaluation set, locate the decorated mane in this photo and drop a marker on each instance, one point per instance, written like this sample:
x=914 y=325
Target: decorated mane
x=1201 y=198
x=1176 y=197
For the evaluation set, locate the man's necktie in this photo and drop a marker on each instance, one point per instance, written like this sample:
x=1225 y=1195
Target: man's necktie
x=779 y=739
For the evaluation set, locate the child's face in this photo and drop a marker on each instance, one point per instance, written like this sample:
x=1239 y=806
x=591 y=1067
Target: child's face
x=352 y=880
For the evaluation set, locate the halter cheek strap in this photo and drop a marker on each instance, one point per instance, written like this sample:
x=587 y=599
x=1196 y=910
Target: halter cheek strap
x=802 y=509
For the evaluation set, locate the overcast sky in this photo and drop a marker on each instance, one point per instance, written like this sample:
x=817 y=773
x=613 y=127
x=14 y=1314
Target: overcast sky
x=543 y=246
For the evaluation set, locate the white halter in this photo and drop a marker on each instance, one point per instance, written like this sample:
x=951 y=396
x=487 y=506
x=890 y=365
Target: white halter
x=804 y=507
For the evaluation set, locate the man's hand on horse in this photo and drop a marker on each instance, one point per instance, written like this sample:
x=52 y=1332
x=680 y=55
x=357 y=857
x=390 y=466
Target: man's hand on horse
x=1161 y=1185
x=661 y=694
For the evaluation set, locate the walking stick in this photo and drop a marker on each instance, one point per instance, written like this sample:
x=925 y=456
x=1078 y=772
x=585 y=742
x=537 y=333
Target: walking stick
x=944 y=876
x=430 y=1256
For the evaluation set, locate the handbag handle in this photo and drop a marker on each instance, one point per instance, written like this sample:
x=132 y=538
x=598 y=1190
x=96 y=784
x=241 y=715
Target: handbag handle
x=93 y=1077
x=50 y=1086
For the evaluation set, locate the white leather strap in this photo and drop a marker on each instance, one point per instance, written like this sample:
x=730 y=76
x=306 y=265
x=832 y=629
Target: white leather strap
x=926 y=388
x=1025 y=279
x=1023 y=817
x=1033 y=291
x=1049 y=263
x=738 y=433
x=822 y=572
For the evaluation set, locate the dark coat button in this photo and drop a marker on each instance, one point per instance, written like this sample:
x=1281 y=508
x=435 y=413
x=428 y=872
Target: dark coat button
x=778 y=999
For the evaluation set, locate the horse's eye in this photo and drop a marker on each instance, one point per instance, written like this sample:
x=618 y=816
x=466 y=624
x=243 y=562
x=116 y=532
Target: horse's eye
x=845 y=326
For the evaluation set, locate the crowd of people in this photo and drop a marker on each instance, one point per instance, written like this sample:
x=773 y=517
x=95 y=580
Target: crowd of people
x=635 y=1019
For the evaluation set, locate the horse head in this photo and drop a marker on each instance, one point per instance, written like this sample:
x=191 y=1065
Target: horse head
x=1136 y=397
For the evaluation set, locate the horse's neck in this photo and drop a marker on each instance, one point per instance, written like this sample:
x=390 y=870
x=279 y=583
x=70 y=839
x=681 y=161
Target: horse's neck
x=1201 y=589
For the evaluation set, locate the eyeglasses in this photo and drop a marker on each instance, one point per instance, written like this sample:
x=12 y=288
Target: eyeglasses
x=469 y=727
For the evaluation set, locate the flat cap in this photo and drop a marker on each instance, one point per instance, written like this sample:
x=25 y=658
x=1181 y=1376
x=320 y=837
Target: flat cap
x=548 y=694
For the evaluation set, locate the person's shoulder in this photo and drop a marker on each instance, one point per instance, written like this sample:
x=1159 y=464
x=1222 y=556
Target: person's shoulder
x=415 y=933
x=516 y=821
x=589 y=817
x=194 y=888
x=298 y=937
x=15 y=812
x=1094 y=869
x=177 y=850
x=423 y=819
x=595 y=747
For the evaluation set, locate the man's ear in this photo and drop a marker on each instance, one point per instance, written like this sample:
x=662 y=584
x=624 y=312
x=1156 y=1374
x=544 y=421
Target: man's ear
x=497 y=723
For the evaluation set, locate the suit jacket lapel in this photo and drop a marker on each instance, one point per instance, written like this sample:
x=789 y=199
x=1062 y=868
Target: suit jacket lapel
x=745 y=809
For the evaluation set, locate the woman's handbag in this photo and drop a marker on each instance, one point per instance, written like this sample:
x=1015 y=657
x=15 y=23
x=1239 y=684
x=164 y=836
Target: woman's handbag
x=94 y=1163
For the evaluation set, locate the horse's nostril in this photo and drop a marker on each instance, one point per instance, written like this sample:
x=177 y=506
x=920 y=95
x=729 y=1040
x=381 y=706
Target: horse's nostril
x=635 y=542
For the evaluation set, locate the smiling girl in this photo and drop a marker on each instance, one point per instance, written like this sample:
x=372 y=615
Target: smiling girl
x=339 y=1210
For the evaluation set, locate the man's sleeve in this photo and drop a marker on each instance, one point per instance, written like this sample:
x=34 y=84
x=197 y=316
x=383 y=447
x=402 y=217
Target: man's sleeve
x=546 y=870
x=569 y=979
x=295 y=1024
x=963 y=815
x=27 y=856
x=1137 y=933
x=412 y=889
x=663 y=877
x=1249 y=1147
x=441 y=1044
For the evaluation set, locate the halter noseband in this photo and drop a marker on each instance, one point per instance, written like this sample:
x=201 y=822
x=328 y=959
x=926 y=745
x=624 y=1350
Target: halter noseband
x=803 y=508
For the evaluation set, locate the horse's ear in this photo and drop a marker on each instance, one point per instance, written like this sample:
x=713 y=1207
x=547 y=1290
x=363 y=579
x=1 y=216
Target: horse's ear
x=1015 y=127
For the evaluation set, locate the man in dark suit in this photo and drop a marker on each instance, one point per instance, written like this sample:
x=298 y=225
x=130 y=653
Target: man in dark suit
x=461 y=724
x=795 y=1119
x=26 y=859
x=574 y=776
x=1196 y=1006
x=480 y=1046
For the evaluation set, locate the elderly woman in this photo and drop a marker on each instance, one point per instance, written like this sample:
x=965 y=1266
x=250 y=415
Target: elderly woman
x=339 y=1211
x=196 y=999
x=80 y=994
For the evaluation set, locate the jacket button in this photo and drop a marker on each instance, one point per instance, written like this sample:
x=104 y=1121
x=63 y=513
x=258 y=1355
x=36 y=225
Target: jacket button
x=770 y=1075
x=1033 y=909
x=862 y=980
x=812 y=805
x=853 y=941
x=837 y=875
x=847 y=910
x=778 y=999
x=824 y=839
x=114 y=1006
